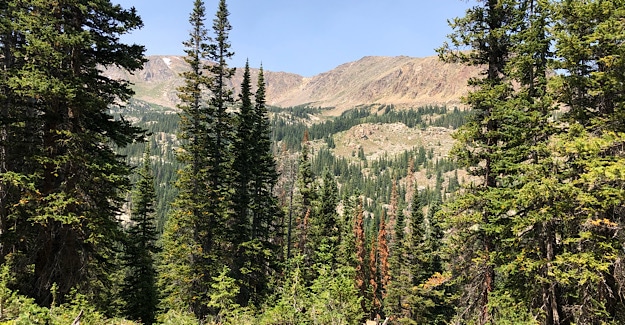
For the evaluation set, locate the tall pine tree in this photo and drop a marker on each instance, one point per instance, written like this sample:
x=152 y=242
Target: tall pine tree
x=139 y=292
x=194 y=243
x=483 y=148
x=181 y=284
x=64 y=194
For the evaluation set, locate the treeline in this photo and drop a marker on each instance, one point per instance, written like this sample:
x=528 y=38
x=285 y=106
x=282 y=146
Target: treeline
x=290 y=131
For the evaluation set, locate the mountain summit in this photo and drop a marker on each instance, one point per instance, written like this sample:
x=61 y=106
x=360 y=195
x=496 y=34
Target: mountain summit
x=402 y=81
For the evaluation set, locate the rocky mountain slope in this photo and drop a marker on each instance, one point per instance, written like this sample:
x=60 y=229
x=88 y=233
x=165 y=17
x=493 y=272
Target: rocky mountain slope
x=401 y=81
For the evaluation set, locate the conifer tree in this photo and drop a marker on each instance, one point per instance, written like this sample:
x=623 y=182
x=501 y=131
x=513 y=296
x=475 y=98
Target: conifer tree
x=361 y=273
x=266 y=213
x=139 y=291
x=374 y=309
x=254 y=223
x=240 y=225
x=194 y=243
x=483 y=148
x=180 y=282
x=62 y=193
x=324 y=232
x=401 y=285
x=582 y=197
x=383 y=255
x=304 y=199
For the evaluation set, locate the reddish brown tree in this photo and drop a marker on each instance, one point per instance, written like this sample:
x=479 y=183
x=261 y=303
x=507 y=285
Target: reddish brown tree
x=383 y=253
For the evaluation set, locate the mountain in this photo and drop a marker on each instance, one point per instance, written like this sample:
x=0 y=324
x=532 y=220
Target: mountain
x=402 y=81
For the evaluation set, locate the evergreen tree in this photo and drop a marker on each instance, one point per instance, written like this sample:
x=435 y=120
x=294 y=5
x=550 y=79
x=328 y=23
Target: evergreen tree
x=63 y=192
x=180 y=283
x=240 y=225
x=484 y=148
x=375 y=308
x=383 y=255
x=254 y=226
x=400 y=285
x=580 y=201
x=139 y=291
x=324 y=230
x=305 y=194
x=194 y=242
x=361 y=271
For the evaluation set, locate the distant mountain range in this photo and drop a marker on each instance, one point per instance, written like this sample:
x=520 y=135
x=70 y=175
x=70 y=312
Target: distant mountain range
x=402 y=81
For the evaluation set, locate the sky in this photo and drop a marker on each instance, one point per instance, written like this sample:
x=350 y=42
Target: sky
x=306 y=37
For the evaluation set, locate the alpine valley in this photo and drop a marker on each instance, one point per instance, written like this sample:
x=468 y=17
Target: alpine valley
x=371 y=121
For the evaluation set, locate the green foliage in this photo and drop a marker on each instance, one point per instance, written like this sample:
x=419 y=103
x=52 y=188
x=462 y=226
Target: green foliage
x=17 y=309
x=139 y=292
x=335 y=297
x=222 y=299
x=55 y=99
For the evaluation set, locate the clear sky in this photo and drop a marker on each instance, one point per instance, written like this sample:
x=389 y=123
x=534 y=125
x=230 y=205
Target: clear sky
x=306 y=37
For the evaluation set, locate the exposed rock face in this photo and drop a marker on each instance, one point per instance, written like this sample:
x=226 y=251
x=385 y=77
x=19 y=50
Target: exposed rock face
x=401 y=81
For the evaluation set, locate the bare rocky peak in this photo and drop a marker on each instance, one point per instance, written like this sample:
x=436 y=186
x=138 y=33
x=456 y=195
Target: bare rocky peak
x=401 y=81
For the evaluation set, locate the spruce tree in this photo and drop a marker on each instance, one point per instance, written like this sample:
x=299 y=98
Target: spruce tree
x=304 y=196
x=401 y=263
x=583 y=197
x=254 y=225
x=383 y=263
x=181 y=284
x=324 y=232
x=484 y=149
x=64 y=193
x=266 y=213
x=139 y=290
x=361 y=270
x=240 y=225
x=194 y=242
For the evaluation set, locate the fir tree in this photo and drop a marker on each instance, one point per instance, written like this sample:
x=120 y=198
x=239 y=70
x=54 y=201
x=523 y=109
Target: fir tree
x=63 y=192
x=304 y=199
x=582 y=197
x=483 y=147
x=254 y=226
x=194 y=247
x=361 y=271
x=240 y=225
x=180 y=282
x=383 y=255
x=324 y=230
x=139 y=292
x=375 y=308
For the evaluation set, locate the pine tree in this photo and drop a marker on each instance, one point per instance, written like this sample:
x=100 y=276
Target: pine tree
x=180 y=282
x=303 y=199
x=62 y=196
x=324 y=230
x=582 y=197
x=139 y=291
x=254 y=226
x=361 y=273
x=193 y=245
x=483 y=148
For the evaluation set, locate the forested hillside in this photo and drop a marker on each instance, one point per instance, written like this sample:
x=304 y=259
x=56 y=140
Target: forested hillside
x=226 y=210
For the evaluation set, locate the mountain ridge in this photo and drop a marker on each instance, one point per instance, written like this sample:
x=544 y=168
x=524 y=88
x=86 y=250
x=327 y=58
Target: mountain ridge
x=401 y=81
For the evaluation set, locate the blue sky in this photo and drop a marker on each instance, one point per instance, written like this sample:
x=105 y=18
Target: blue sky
x=305 y=36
